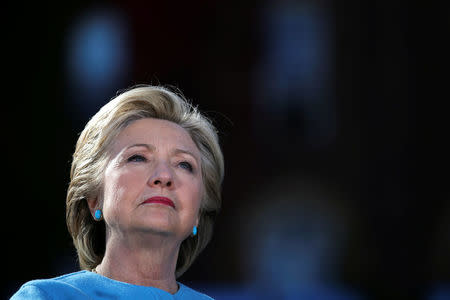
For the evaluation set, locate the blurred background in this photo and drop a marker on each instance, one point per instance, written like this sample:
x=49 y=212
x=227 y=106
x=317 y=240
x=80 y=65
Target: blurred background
x=331 y=118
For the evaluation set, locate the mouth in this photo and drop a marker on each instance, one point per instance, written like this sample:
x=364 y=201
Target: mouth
x=160 y=200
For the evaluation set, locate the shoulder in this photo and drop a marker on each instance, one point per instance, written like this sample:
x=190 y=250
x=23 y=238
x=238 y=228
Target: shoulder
x=53 y=288
x=30 y=291
x=186 y=293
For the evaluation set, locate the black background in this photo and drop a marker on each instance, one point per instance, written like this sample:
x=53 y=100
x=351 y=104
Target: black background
x=390 y=155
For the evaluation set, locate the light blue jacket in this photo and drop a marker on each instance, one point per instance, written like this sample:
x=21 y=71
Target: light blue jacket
x=88 y=285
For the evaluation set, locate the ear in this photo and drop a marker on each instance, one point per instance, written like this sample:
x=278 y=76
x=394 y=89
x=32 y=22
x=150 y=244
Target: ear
x=93 y=204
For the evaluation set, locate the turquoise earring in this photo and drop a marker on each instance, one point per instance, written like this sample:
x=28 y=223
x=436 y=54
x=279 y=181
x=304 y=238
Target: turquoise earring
x=194 y=231
x=98 y=214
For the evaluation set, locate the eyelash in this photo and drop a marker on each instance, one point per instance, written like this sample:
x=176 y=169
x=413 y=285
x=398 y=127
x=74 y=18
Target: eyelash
x=187 y=166
x=139 y=158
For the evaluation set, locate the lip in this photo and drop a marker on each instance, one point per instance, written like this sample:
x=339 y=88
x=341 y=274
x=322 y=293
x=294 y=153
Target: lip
x=160 y=200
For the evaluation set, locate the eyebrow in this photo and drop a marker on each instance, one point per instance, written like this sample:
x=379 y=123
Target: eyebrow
x=148 y=146
x=178 y=151
x=173 y=152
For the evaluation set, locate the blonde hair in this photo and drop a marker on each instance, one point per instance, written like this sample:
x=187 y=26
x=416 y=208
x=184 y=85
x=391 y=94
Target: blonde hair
x=90 y=157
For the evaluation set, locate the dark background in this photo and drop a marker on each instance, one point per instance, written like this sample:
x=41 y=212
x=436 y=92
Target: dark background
x=332 y=121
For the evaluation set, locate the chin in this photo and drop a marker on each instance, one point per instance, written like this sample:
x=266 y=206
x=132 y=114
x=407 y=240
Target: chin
x=160 y=220
x=156 y=225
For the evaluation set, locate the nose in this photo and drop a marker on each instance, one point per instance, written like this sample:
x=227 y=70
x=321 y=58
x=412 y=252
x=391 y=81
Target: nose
x=161 y=176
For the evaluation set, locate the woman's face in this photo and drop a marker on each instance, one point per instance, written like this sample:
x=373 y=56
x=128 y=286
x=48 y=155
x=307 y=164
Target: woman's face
x=153 y=158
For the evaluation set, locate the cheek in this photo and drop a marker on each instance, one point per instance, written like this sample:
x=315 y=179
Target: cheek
x=122 y=188
x=195 y=191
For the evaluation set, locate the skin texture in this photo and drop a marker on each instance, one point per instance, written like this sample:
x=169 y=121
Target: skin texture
x=150 y=157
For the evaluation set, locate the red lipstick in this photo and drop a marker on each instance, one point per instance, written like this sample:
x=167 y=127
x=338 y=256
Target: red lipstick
x=160 y=200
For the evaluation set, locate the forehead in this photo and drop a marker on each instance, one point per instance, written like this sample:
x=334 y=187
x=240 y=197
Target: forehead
x=156 y=132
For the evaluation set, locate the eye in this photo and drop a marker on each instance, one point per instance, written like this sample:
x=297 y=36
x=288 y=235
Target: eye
x=186 y=165
x=136 y=158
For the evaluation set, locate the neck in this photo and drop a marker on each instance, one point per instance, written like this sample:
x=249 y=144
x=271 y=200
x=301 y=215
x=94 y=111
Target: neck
x=148 y=261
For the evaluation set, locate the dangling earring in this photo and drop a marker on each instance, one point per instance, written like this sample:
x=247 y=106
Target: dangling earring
x=194 y=231
x=98 y=214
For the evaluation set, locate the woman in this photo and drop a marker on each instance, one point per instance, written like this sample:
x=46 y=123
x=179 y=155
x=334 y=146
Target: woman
x=145 y=188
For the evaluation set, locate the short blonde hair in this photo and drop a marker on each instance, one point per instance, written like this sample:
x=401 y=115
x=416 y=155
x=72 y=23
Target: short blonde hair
x=90 y=157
